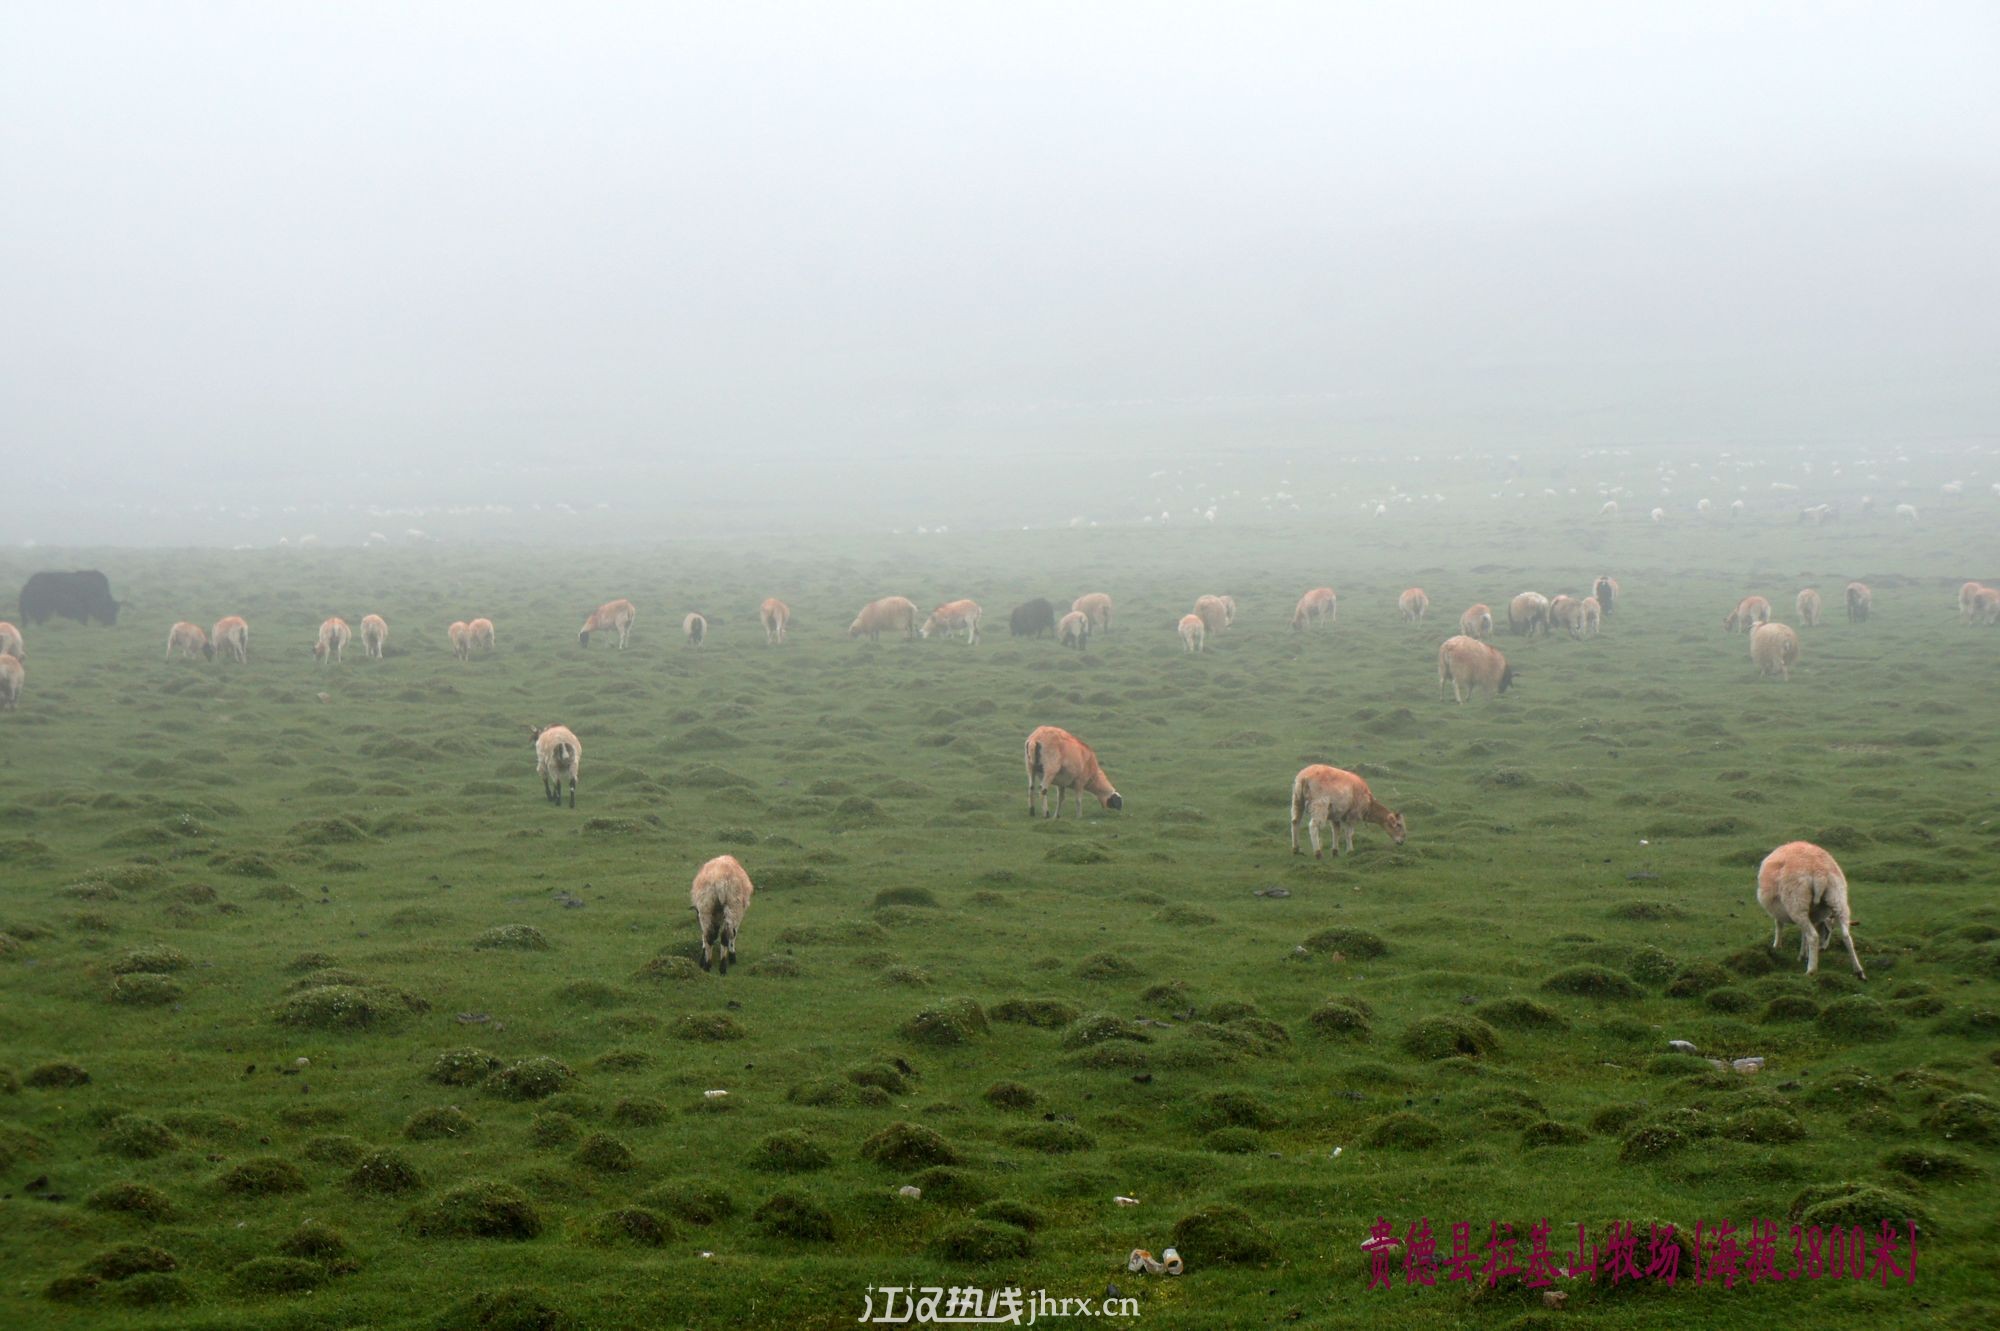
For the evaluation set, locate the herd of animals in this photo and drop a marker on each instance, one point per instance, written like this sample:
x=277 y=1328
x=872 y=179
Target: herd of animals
x=1798 y=884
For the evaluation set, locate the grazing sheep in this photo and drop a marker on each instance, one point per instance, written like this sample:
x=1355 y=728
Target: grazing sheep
x=1566 y=612
x=1332 y=796
x=1096 y=607
x=334 y=635
x=1704 y=507
x=1748 y=614
x=1968 y=595
x=1413 y=605
x=479 y=635
x=1659 y=515
x=1986 y=606
x=884 y=615
x=13 y=678
x=695 y=627
x=1610 y=509
x=558 y=755
x=1228 y=610
x=1074 y=631
x=776 y=617
x=232 y=638
x=1194 y=633
x=1528 y=614
x=1318 y=606
x=1859 y=602
x=612 y=615
x=1057 y=758
x=1736 y=508
x=1477 y=621
x=1469 y=665
x=1798 y=883
x=1774 y=649
x=190 y=641
x=374 y=635
x=461 y=640
x=1808 y=604
x=1908 y=511
x=10 y=641
x=1593 y=617
x=1214 y=614
x=1605 y=589
x=721 y=896
x=1031 y=619
x=954 y=617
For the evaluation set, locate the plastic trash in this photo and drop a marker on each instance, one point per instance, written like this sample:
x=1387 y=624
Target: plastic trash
x=1126 y=1201
x=1141 y=1260
x=910 y=1190
x=1681 y=1046
x=1171 y=1260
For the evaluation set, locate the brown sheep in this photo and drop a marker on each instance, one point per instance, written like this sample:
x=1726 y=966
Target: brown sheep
x=334 y=635
x=1477 y=621
x=1968 y=595
x=1194 y=633
x=1096 y=607
x=886 y=615
x=1469 y=665
x=776 y=617
x=1318 y=606
x=1593 y=617
x=1798 y=883
x=696 y=629
x=1413 y=605
x=1986 y=606
x=1214 y=614
x=558 y=755
x=374 y=635
x=190 y=641
x=231 y=638
x=954 y=617
x=1748 y=614
x=10 y=641
x=1059 y=759
x=1332 y=796
x=479 y=636
x=1566 y=613
x=13 y=678
x=1808 y=607
x=1074 y=630
x=461 y=640
x=721 y=897
x=1528 y=614
x=1859 y=602
x=615 y=615
x=1774 y=649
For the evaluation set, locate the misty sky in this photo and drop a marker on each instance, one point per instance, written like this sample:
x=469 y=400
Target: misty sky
x=437 y=232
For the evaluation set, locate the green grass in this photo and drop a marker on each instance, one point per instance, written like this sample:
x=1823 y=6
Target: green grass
x=418 y=1049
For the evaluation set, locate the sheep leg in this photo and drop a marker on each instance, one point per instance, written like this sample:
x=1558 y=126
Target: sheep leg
x=572 y=792
x=1812 y=947
x=1848 y=939
x=1312 y=829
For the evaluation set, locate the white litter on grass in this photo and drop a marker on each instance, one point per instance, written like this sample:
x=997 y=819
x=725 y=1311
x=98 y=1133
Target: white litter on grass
x=1681 y=1046
x=714 y=1095
x=910 y=1190
x=1126 y=1201
x=1336 y=1153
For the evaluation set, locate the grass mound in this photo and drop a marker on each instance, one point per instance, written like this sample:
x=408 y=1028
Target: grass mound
x=1856 y=1017
x=1968 y=1118
x=437 y=1122
x=278 y=1275
x=1520 y=1014
x=790 y=1152
x=1600 y=982
x=462 y=1067
x=512 y=1308
x=339 y=1007
x=137 y=1137
x=1404 y=1131
x=1223 y=1235
x=479 y=1209
x=135 y=1199
x=630 y=1226
x=786 y=1216
x=385 y=1173
x=908 y=1146
x=1353 y=944
x=514 y=937
x=535 y=1078
x=1054 y=1138
x=262 y=1176
x=1449 y=1036
x=1340 y=1019
x=1011 y=1095
x=606 y=1154
x=695 y=1201
x=129 y=1259
x=953 y=1021
x=1046 y=1013
x=982 y=1241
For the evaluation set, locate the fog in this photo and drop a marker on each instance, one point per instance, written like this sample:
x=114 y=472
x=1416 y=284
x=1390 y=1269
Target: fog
x=269 y=268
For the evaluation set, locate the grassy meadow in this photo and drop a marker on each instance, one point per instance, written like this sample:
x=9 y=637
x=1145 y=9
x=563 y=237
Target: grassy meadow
x=375 y=1037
